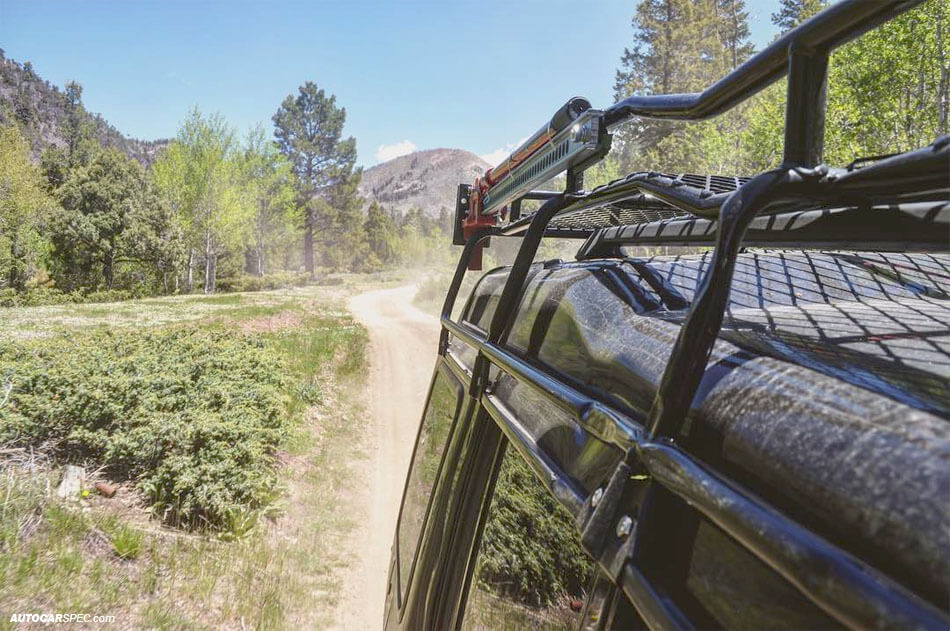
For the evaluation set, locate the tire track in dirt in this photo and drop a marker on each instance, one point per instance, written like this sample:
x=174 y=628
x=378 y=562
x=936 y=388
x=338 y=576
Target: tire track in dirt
x=403 y=343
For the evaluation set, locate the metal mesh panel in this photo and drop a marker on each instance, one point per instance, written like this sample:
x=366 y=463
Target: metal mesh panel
x=625 y=213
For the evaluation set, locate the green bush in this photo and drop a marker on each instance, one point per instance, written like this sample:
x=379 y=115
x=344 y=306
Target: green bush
x=108 y=295
x=192 y=415
x=42 y=296
x=36 y=296
x=530 y=550
x=8 y=297
x=277 y=280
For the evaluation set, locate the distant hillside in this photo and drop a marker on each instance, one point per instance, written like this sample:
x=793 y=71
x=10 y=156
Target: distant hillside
x=40 y=107
x=423 y=179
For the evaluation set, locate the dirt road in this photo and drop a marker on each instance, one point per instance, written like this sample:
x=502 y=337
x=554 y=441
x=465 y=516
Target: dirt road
x=403 y=342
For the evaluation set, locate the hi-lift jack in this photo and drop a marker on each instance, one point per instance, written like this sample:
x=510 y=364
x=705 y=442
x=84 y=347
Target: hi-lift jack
x=575 y=138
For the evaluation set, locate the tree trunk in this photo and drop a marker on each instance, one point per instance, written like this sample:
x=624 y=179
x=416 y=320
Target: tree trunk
x=108 y=270
x=308 y=241
x=211 y=271
x=190 y=281
x=209 y=264
x=15 y=278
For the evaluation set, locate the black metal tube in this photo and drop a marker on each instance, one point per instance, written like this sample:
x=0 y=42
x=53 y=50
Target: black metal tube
x=694 y=343
x=805 y=106
x=833 y=580
x=657 y=611
x=551 y=475
x=449 y=303
x=827 y=30
x=508 y=301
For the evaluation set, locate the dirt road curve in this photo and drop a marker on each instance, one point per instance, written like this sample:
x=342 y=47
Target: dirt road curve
x=403 y=342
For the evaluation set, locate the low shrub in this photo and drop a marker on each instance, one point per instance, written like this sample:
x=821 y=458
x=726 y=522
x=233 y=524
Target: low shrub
x=43 y=296
x=192 y=415
x=108 y=295
x=36 y=296
x=276 y=280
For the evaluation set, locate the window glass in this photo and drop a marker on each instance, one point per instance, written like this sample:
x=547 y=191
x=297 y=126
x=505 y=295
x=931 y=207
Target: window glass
x=433 y=434
x=741 y=592
x=531 y=571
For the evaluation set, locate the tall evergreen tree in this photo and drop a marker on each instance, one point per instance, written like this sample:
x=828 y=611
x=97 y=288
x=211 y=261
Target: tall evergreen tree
x=79 y=142
x=791 y=13
x=681 y=46
x=732 y=21
x=381 y=236
x=309 y=131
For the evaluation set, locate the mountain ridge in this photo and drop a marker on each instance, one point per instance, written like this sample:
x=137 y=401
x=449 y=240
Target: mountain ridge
x=41 y=110
x=425 y=179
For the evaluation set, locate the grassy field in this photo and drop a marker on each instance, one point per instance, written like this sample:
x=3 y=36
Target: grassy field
x=274 y=563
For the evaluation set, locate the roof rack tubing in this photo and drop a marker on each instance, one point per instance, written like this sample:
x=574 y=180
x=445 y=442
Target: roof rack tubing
x=657 y=611
x=450 y=297
x=855 y=594
x=554 y=478
x=891 y=177
x=805 y=105
x=739 y=515
x=510 y=295
x=540 y=195
x=832 y=27
x=687 y=361
x=600 y=420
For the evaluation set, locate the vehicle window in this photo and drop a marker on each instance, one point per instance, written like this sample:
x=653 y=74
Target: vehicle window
x=741 y=592
x=436 y=423
x=531 y=571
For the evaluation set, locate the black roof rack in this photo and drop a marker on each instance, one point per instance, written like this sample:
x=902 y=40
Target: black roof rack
x=896 y=183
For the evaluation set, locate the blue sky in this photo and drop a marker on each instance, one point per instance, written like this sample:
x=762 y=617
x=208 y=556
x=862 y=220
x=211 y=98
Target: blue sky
x=412 y=75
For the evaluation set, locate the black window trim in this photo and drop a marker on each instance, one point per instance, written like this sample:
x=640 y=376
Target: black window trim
x=444 y=370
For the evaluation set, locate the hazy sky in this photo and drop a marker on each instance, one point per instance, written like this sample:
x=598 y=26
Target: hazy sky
x=412 y=75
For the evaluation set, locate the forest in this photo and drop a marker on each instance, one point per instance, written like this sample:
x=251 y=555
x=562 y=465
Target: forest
x=216 y=210
x=220 y=210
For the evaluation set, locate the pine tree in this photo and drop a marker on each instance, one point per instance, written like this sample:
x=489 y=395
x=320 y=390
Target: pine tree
x=681 y=46
x=309 y=130
x=380 y=234
x=677 y=48
x=791 y=13
x=668 y=52
x=732 y=20
x=80 y=147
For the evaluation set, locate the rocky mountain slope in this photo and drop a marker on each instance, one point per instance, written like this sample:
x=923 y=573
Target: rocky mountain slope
x=41 y=108
x=424 y=179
